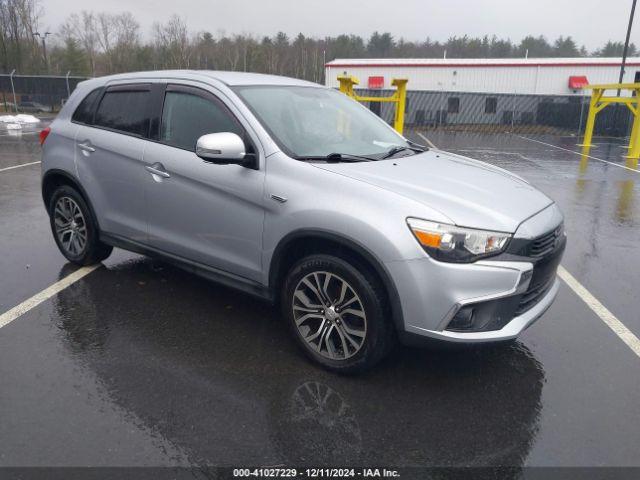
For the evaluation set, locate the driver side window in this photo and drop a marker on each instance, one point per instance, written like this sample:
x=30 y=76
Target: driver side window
x=188 y=116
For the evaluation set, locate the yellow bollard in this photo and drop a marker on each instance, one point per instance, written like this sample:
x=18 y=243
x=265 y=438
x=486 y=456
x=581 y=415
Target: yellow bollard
x=401 y=103
x=591 y=122
x=599 y=101
x=346 y=84
x=634 y=138
x=399 y=97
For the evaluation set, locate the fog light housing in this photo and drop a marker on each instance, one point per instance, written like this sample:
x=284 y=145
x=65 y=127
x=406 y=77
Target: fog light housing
x=463 y=321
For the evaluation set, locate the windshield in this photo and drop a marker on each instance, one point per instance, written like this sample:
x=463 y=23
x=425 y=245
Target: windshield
x=309 y=122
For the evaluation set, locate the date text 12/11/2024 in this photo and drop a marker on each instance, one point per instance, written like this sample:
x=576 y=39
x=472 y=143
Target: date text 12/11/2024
x=315 y=473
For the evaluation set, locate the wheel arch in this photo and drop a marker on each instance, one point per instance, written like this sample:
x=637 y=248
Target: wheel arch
x=55 y=178
x=300 y=243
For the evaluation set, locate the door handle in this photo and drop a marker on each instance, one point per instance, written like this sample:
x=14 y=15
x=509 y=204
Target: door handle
x=158 y=169
x=86 y=147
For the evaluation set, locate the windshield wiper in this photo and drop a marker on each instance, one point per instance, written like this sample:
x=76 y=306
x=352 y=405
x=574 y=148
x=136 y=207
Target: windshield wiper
x=342 y=157
x=348 y=157
x=399 y=148
x=417 y=145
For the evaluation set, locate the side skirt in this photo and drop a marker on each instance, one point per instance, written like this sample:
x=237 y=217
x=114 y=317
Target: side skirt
x=210 y=273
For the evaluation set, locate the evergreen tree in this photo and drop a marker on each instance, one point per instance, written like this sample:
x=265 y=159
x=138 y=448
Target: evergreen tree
x=71 y=58
x=565 y=47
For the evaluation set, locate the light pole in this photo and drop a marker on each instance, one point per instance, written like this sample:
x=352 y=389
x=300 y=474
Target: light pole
x=43 y=37
x=626 y=43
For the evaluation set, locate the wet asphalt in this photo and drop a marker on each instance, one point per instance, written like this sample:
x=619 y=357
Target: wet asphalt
x=141 y=364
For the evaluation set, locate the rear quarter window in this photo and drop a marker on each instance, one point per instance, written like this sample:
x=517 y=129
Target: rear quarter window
x=84 y=111
x=126 y=111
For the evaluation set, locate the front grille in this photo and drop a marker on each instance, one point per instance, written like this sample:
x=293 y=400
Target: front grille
x=544 y=268
x=545 y=243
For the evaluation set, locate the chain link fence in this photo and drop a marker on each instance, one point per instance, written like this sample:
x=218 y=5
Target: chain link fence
x=425 y=110
x=497 y=113
x=35 y=94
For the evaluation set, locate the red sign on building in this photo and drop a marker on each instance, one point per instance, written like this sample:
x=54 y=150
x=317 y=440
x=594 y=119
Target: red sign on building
x=376 y=82
x=578 y=81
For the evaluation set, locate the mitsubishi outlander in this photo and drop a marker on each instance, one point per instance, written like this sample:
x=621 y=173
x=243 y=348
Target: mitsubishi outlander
x=296 y=193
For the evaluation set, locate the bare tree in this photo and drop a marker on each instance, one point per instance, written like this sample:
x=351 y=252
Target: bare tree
x=118 y=39
x=127 y=41
x=105 y=32
x=18 y=46
x=172 y=41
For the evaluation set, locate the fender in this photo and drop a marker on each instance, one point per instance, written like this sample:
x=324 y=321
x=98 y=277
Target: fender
x=281 y=250
x=75 y=183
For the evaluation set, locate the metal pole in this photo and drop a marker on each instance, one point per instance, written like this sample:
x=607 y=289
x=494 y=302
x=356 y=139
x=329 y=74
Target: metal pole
x=67 y=80
x=581 y=113
x=626 y=43
x=13 y=90
x=43 y=39
x=44 y=53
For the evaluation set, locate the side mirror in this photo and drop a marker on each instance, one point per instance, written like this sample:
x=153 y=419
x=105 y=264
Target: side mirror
x=222 y=148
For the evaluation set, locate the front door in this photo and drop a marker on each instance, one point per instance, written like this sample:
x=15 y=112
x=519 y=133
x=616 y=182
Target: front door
x=200 y=211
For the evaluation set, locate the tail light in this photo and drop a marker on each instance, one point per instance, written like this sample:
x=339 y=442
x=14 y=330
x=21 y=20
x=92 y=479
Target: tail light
x=44 y=134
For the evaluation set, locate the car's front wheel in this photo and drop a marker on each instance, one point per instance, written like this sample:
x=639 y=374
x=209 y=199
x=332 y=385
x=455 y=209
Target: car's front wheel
x=74 y=228
x=338 y=313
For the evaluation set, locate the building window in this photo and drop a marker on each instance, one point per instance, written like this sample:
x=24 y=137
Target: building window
x=453 y=105
x=490 y=105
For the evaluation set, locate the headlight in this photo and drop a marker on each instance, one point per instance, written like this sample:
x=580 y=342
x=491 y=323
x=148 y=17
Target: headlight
x=449 y=243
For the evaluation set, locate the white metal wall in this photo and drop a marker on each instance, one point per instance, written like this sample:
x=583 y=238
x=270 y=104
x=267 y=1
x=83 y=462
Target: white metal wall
x=541 y=80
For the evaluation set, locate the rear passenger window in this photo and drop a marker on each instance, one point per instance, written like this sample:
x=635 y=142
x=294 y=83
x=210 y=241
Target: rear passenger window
x=84 y=112
x=186 y=117
x=125 y=110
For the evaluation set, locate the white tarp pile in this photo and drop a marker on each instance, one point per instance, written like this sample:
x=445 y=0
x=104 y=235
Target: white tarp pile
x=15 y=122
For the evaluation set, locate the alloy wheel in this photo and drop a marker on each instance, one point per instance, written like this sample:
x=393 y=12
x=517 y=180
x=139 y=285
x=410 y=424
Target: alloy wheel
x=329 y=315
x=70 y=226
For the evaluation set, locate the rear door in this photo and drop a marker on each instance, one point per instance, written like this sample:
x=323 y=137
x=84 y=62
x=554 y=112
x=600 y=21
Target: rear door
x=109 y=151
x=209 y=213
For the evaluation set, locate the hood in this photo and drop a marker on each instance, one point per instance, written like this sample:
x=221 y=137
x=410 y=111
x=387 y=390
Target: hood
x=471 y=193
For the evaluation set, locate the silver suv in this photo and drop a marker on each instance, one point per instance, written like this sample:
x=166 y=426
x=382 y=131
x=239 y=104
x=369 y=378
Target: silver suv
x=297 y=194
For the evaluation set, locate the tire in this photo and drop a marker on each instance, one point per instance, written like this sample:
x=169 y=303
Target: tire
x=356 y=321
x=79 y=243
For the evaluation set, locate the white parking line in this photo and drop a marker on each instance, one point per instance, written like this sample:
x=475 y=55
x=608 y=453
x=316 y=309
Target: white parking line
x=578 y=153
x=601 y=311
x=429 y=142
x=9 y=316
x=19 y=166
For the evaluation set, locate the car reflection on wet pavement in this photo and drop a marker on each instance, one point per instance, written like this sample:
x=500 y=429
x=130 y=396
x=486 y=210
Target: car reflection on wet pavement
x=200 y=362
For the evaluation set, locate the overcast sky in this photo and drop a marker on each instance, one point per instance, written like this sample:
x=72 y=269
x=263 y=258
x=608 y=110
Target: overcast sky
x=590 y=22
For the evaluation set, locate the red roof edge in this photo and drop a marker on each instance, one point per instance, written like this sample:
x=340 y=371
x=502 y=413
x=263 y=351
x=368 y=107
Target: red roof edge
x=475 y=65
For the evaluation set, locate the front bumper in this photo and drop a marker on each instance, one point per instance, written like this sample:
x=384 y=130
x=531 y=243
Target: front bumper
x=511 y=330
x=506 y=293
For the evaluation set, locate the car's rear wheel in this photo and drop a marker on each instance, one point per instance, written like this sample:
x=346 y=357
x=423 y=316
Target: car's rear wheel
x=74 y=228
x=337 y=312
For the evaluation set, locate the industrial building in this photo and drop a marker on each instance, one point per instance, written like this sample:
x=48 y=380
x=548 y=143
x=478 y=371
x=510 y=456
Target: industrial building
x=489 y=92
